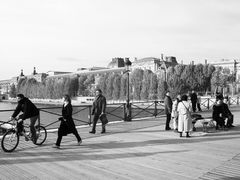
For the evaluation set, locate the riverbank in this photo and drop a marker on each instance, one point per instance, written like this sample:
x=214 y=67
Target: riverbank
x=47 y=101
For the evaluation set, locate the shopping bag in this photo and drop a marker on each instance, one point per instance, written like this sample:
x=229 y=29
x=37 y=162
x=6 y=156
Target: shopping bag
x=103 y=118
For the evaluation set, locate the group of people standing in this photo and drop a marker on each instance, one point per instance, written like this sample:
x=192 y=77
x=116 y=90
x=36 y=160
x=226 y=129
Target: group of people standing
x=180 y=111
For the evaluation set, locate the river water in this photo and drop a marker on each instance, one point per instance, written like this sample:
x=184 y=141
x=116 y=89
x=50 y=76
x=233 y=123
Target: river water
x=49 y=114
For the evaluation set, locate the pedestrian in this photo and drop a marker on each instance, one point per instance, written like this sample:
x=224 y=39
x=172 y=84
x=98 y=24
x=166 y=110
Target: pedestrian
x=184 y=116
x=227 y=114
x=175 y=113
x=199 y=102
x=217 y=113
x=194 y=100
x=168 y=110
x=98 y=110
x=29 y=111
x=67 y=125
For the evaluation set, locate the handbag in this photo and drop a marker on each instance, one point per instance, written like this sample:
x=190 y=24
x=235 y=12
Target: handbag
x=103 y=118
x=63 y=128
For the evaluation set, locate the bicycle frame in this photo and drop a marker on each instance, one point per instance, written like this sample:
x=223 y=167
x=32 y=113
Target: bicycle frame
x=10 y=139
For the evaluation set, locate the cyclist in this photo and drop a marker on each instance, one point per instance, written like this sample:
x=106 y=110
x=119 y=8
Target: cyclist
x=29 y=111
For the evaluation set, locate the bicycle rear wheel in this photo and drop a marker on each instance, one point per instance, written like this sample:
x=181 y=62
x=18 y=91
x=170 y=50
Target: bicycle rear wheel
x=10 y=141
x=41 y=135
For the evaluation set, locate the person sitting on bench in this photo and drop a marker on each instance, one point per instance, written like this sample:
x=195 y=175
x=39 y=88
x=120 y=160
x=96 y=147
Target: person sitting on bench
x=227 y=114
x=217 y=114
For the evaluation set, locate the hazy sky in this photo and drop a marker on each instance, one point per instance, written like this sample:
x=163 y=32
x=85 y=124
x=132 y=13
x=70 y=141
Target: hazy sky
x=67 y=34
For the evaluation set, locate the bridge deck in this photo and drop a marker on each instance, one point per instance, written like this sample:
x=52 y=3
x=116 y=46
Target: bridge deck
x=130 y=150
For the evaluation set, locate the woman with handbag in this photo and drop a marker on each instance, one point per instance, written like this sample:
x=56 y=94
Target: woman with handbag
x=67 y=125
x=184 y=116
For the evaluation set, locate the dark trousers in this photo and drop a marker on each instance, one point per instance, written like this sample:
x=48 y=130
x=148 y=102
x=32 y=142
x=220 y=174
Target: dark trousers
x=95 y=120
x=220 y=122
x=199 y=107
x=60 y=135
x=168 y=121
x=32 y=127
x=230 y=120
x=194 y=104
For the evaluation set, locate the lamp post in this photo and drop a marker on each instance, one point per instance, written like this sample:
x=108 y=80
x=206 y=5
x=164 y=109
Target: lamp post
x=128 y=115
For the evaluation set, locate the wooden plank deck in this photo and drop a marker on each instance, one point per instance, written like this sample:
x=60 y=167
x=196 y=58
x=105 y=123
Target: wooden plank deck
x=130 y=150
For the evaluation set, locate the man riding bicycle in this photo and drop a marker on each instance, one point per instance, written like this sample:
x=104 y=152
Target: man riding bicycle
x=29 y=111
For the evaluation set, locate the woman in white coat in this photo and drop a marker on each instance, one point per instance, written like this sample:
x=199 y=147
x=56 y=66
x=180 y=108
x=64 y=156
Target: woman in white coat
x=184 y=116
x=175 y=113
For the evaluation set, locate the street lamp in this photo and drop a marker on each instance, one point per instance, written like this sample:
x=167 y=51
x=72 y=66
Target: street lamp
x=128 y=117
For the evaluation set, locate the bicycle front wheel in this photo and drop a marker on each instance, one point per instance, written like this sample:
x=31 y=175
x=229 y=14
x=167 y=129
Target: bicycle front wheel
x=41 y=133
x=10 y=141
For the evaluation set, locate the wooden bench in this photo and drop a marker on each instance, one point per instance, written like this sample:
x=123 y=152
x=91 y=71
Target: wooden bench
x=206 y=122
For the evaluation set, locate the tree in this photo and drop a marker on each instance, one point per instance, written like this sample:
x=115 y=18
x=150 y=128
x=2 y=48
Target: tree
x=136 y=80
x=73 y=88
x=81 y=85
x=174 y=84
x=218 y=80
x=153 y=87
x=102 y=83
x=88 y=83
x=123 y=90
x=147 y=74
x=199 y=77
x=13 y=91
x=207 y=71
x=116 y=87
x=162 y=88
x=109 y=85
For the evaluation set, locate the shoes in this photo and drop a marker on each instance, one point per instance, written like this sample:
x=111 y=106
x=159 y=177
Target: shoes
x=26 y=138
x=168 y=128
x=180 y=134
x=79 y=143
x=103 y=131
x=92 y=132
x=188 y=136
x=56 y=146
x=176 y=130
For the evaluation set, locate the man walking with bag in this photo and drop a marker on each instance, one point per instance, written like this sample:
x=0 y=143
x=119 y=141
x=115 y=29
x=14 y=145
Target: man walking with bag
x=98 y=110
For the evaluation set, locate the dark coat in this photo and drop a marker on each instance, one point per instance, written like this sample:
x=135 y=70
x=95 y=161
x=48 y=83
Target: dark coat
x=194 y=97
x=99 y=105
x=226 y=111
x=27 y=107
x=221 y=109
x=67 y=125
x=168 y=104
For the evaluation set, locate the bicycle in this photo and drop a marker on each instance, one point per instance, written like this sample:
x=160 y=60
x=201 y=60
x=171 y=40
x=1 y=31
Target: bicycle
x=10 y=139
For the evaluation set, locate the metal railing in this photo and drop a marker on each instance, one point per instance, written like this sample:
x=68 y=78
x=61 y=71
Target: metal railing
x=115 y=112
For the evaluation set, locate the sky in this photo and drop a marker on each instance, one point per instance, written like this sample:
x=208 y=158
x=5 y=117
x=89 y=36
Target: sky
x=63 y=35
